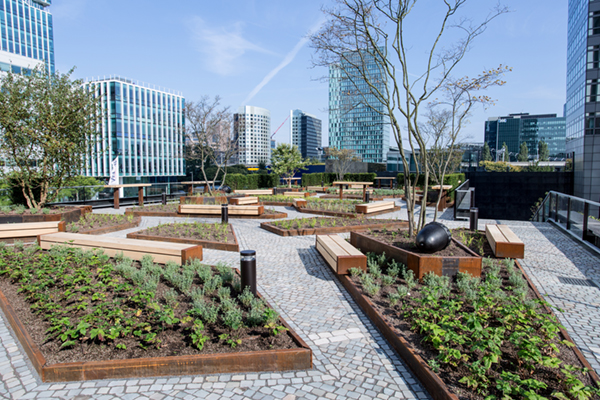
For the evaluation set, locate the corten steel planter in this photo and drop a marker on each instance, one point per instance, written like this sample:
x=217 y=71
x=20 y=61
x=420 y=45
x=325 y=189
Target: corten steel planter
x=71 y=214
x=206 y=244
x=332 y=229
x=344 y=214
x=202 y=199
x=127 y=225
x=177 y=215
x=254 y=361
x=421 y=264
x=430 y=380
x=276 y=203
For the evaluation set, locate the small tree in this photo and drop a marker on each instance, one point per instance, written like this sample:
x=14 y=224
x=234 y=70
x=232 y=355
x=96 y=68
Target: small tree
x=342 y=160
x=48 y=129
x=543 y=152
x=486 y=155
x=286 y=160
x=523 y=152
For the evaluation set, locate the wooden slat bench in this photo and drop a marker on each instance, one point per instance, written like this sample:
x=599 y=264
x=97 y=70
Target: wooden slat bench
x=339 y=254
x=216 y=209
x=255 y=192
x=296 y=194
x=132 y=248
x=504 y=242
x=299 y=203
x=239 y=201
x=369 y=208
x=30 y=230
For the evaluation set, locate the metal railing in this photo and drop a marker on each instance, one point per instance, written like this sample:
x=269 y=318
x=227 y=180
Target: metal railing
x=578 y=216
x=464 y=199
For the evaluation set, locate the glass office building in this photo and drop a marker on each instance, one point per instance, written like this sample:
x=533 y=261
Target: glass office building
x=515 y=129
x=27 y=37
x=142 y=126
x=582 y=108
x=252 y=130
x=357 y=118
x=305 y=133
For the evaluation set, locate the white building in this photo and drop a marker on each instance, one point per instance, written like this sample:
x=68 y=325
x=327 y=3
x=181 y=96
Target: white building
x=252 y=129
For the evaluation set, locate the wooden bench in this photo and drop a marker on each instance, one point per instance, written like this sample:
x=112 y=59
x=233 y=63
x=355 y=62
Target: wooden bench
x=296 y=194
x=504 y=242
x=216 y=209
x=132 y=248
x=339 y=254
x=256 y=192
x=239 y=201
x=30 y=230
x=369 y=208
x=299 y=203
x=317 y=188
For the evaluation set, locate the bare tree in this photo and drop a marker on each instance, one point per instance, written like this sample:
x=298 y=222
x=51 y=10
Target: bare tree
x=362 y=36
x=342 y=160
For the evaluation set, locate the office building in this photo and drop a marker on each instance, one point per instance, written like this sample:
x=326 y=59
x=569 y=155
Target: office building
x=252 y=130
x=27 y=37
x=582 y=109
x=305 y=133
x=515 y=129
x=143 y=127
x=357 y=118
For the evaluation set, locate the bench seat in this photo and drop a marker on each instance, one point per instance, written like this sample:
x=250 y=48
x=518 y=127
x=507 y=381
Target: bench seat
x=243 y=200
x=296 y=194
x=132 y=248
x=369 y=208
x=299 y=203
x=216 y=209
x=504 y=242
x=339 y=254
x=30 y=230
x=255 y=192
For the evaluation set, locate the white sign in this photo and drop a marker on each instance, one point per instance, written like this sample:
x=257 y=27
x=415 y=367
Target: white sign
x=114 y=172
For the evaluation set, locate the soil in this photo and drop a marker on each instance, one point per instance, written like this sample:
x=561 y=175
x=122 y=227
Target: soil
x=173 y=340
x=190 y=231
x=91 y=222
x=27 y=211
x=394 y=317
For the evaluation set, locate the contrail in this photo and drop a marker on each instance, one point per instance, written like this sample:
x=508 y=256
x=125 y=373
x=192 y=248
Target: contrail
x=288 y=59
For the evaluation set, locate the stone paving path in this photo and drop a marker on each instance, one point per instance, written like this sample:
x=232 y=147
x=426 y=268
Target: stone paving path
x=351 y=359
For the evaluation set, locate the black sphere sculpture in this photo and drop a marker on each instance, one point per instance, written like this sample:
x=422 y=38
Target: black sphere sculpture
x=433 y=237
x=226 y=189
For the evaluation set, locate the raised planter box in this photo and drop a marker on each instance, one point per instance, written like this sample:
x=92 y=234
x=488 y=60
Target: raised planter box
x=201 y=199
x=420 y=264
x=177 y=215
x=332 y=229
x=206 y=244
x=72 y=214
x=431 y=381
x=343 y=214
x=127 y=225
x=256 y=361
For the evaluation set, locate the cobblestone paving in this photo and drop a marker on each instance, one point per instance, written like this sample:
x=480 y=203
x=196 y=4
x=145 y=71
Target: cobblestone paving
x=351 y=359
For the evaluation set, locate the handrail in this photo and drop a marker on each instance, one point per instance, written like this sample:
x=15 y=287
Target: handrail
x=564 y=195
x=465 y=186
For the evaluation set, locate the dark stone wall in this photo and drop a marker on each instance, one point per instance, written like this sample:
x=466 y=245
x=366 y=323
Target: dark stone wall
x=510 y=195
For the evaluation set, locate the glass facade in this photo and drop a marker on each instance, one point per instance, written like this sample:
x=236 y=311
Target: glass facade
x=305 y=133
x=141 y=126
x=252 y=130
x=357 y=117
x=531 y=129
x=27 y=37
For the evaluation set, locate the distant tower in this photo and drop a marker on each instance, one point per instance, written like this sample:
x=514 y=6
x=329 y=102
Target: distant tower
x=252 y=129
x=27 y=37
x=305 y=132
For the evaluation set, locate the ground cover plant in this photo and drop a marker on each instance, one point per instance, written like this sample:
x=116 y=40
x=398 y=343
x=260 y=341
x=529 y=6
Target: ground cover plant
x=83 y=306
x=487 y=338
x=91 y=222
x=20 y=209
x=327 y=222
x=174 y=207
x=315 y=203
x=213 y=232
x=388 y=192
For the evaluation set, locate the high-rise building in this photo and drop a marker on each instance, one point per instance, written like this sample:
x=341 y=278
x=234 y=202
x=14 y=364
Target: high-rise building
x=305 y=132
x=357 y=118
x=27 y=37
x=142 y=126
x=252 y=130
x=515 y=129
x=582 y=108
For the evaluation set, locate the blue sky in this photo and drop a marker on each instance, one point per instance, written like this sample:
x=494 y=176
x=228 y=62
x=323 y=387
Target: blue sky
x=253 y=52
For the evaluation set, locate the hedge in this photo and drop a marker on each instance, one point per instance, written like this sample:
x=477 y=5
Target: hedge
x=449 y=179
x=251 y=181
x=328 y=178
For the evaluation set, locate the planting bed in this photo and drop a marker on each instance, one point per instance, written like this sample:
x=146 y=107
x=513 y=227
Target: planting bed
x=81 y=315
x=170 y=210
x=324 y=226
x=97 y=224
x=209 y=235
x=473 y=338
x=18 y=214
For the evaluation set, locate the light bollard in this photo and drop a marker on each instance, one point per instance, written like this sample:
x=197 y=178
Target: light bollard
x=367 y=197
x=248 y=269
x=224 y=213
x=473 y=218
x=164 y=198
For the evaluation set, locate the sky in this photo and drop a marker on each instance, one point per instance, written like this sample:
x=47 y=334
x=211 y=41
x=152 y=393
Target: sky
x=256 y=52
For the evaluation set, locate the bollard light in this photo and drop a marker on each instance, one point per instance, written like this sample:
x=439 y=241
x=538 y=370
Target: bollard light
x=367 y=197
x=224 y=213
x=164 y=198
x=248 y=269
x=473 y=218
